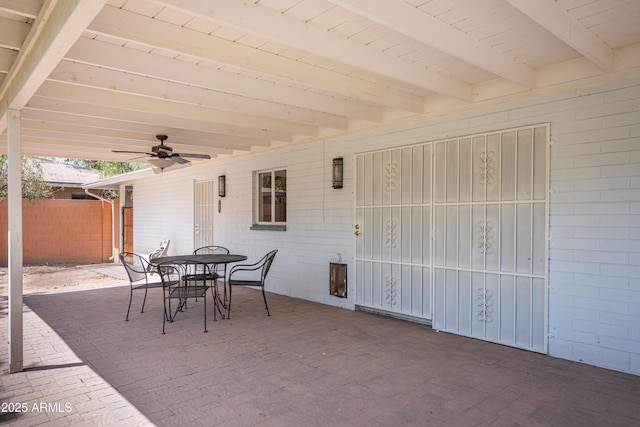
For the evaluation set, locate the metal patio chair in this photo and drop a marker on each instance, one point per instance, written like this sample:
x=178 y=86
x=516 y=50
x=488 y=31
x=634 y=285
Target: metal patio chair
x=170 y=275
x=218 y=272
x=140 y=277
x=247 y=275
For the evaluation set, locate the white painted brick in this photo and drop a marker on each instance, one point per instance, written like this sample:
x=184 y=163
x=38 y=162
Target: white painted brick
x=617 y=318
x=600 y=257
x=606 y=159
x=560 y=151
x=601 y=208
x=615 y=342
x=568 y=243
x=621 y=120
x=634 y=364
x=620 y=270
x=600 y=282
x=600 y=232
x=600 y=356
x=626 y=296
x=575 y=173
x=628 y=145
x=560 y=348
x=601 y=305
x=627 y=93
x=621 y=195
x=619 y=220
x=594 y=185
x=603 y=330
x=571 y=334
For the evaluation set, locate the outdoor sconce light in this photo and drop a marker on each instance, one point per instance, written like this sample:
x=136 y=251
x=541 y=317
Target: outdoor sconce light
x=222 y=186
x=337 y=172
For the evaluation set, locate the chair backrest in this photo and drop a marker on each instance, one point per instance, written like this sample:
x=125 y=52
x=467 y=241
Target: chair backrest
x=267 y=260
x=169 y=274
x=211 y=250
x=161 y=251
x=134 y=265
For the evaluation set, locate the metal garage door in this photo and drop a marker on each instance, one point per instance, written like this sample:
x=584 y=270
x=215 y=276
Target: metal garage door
x=460 y=226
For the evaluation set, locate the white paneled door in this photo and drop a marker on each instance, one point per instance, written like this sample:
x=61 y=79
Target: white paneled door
x=455 y=232
x=204 y=206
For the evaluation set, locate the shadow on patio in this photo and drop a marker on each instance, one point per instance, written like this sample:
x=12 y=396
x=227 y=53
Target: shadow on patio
x=308 y=364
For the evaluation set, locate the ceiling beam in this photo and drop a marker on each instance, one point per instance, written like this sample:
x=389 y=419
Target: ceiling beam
x=122 y=82
x=149 y=129
x=409 y=20
x=25 y=8
x=7 y=57
x=57 y=27
x=155 y=33
x=108 y=55
x=264 y=22
x=550 y=15
x=118 y=140
x=131 y=102
x=161 y=121
x=13 y=33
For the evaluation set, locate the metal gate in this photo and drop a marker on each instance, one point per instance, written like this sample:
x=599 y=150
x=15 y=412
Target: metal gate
x=204 y=208
x=460 y=226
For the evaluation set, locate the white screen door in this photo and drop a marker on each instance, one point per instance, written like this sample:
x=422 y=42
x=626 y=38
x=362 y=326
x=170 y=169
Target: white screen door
x=455 y=232
x=393 y=216
x=204 y=208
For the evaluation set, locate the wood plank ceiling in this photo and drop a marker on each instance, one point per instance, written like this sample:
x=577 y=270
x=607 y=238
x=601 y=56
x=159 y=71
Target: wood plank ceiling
x=225 y=77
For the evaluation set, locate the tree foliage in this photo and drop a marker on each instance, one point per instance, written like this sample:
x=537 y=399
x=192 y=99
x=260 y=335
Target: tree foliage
x=106 y=168
x=33 y=185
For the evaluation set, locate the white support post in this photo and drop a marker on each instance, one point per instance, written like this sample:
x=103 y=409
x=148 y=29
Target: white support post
x=123 y=202
x=14 y=199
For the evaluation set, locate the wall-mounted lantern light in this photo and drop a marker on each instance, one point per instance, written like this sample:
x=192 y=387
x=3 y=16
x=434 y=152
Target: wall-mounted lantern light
x=337 y=172
x=222 y=186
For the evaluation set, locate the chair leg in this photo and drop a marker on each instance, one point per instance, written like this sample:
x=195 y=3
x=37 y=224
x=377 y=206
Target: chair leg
x=264 y=297
x=144 y=300
x=126 y=319
x=229 y=303
x=204 y=297
x=164 y=318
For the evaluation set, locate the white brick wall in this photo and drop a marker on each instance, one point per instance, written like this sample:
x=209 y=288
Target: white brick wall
x=594 y=269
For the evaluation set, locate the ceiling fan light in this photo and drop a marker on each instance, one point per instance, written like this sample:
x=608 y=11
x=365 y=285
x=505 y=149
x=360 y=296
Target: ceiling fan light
x=161 y=163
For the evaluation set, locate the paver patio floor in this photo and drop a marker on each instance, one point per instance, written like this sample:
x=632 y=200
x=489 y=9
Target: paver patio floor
x=307 y=365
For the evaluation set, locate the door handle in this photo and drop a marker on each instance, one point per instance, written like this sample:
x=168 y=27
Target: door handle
x=357 y=232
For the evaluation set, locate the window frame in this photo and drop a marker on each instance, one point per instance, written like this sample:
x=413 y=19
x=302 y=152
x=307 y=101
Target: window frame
x=258 y=224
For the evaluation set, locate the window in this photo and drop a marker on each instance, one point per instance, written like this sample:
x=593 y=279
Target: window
x=271 y=197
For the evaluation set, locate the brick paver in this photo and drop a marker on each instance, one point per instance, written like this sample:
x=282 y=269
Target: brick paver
x=308 y=364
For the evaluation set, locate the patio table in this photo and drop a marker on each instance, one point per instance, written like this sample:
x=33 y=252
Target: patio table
x=209 y=261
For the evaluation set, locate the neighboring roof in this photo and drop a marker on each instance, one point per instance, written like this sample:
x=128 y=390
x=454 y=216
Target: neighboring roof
x=99 y=79
x=65 y=175
x=114 y=182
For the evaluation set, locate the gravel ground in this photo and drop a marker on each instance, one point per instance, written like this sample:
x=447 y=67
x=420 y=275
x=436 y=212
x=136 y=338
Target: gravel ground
x=44 y=278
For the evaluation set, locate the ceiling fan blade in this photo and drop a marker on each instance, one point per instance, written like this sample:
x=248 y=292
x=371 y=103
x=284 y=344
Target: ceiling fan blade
x=195 y=156
x=176 y=158
x=133 y=152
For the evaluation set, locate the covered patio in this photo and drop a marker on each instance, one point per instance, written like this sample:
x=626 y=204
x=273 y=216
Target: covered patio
x=308 y=364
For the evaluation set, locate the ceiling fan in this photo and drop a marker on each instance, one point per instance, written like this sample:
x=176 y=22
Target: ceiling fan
x=162 y=156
